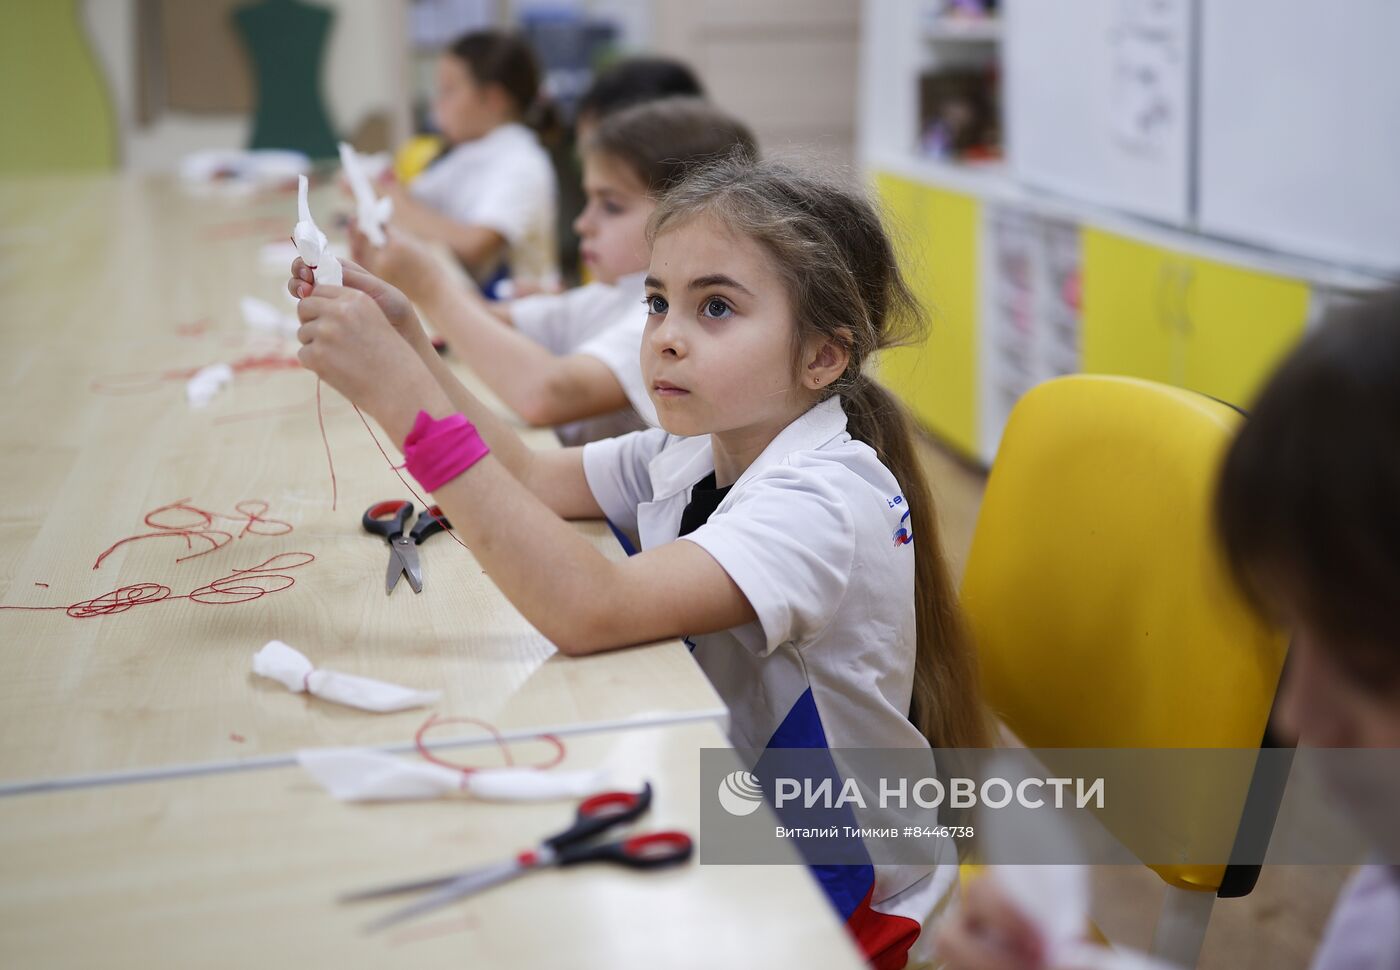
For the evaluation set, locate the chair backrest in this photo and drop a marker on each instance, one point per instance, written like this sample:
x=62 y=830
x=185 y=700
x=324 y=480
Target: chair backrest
x=1100 y=602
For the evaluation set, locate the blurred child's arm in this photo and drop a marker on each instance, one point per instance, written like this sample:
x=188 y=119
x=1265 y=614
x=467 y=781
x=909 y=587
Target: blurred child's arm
x=542 y=388
x=477 y=247
x=406 y=262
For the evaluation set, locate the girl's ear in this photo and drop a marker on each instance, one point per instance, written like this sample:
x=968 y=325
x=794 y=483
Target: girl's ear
x=827 y=360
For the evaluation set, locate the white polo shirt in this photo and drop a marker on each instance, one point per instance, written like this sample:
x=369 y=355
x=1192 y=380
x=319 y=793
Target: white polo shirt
x=601 y=320
x=503 y=181
x=810 y=533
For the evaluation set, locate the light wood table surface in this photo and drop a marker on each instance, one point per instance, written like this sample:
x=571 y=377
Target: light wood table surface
x=110 y=285
x=241 y=870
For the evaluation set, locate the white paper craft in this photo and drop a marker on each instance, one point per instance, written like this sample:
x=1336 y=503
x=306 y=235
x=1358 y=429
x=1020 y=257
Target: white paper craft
x=370 y=212
x=261 y=315
x=366 y=775
x=311 y=242
x=292 y=670
x=1055 y=898
x=206 y=382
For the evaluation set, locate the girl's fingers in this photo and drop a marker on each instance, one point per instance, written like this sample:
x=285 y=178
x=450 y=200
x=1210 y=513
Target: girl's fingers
x=302 y=271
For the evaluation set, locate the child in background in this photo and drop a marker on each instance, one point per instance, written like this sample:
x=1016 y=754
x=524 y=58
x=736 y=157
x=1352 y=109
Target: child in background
x=630 y=82
x=1308 y=508
x=788 y=475
x=490 y=197
x=572 y=359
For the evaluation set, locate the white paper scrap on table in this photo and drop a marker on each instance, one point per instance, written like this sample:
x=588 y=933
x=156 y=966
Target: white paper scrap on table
x=261 y=315
x=366 y=775
x=370 y=212
x=311 y=242
x=291 y=669
x=206 y=382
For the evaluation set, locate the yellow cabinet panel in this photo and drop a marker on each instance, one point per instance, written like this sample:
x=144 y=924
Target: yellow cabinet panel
x=937 y=233
x=1241 y=323
x=1127 y=312
x=1183 y=320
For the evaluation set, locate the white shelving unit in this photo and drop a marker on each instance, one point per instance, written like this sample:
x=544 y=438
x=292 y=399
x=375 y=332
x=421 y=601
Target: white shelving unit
x=1029 y=236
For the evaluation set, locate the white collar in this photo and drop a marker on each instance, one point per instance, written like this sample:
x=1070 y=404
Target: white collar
x=681 y=465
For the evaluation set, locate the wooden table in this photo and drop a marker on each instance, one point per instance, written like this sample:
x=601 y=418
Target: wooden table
x=112 y=290
x=240 y=870
x=109 y=287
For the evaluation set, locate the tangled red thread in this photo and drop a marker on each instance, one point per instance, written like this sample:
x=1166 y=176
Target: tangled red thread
x=435 y=721
x=239 y=586
x=119 y=600
x=191 y=523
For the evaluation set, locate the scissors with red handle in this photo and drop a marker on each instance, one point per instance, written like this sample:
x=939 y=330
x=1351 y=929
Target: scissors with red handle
x=575 y=845
x=390 y=519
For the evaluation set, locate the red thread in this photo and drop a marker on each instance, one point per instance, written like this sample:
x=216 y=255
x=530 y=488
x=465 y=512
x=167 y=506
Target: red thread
x=141 y=382
x=45 y=585
x=199 y=525
x=196 y=328
x=306 y=681
x=237 y=737
x=428 y=506
x=435 y=721
x=240 y=586
x=321 y=420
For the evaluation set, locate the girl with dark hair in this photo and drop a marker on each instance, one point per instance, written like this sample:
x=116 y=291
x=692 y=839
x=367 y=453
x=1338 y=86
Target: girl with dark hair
x=786 y=526
x=490 y=197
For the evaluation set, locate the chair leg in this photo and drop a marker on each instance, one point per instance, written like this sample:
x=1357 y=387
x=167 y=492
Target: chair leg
x=1181 y=927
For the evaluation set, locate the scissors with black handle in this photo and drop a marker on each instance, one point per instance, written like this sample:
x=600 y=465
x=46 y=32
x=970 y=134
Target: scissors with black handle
x=390 y=519
x=573 y=846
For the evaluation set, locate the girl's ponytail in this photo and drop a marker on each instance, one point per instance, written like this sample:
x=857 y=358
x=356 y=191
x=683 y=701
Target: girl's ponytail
x=945 y=706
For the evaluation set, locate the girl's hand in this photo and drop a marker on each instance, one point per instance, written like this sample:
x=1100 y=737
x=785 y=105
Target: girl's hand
x=392 y=303
x=350 y=344
x=403 y=261
x=988 y=932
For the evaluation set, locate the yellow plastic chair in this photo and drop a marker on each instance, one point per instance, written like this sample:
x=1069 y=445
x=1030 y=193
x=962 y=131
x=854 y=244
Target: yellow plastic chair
x=1101 y=606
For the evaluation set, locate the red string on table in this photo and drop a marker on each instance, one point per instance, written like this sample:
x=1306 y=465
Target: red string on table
x=240 y=586
x=436 y=721
x=252 y=513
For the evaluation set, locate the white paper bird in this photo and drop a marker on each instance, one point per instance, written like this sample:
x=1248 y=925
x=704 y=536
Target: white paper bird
x=370 y=212
x=311 y=242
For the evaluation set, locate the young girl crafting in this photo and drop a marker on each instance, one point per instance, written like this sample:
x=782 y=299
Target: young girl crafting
x=808 y=573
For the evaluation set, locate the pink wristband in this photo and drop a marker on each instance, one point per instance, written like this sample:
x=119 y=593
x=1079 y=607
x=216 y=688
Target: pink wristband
x=437 y=451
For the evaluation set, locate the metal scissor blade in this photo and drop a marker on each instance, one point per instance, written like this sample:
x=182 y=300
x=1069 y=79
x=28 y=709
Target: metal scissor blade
x=408 y=554
x=398 y=564
x=466 y=885
x=398 y=889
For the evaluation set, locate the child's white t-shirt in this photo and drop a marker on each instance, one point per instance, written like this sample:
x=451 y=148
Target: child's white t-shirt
x=601 y=320
x=503 y=181
x=811 y=533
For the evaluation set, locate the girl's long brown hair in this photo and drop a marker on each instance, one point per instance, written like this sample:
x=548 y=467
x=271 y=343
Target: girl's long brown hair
x=844 y=284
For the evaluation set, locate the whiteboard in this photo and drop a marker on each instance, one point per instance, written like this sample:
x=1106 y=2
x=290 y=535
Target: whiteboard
x=1300 y=127
x=1098 y=101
